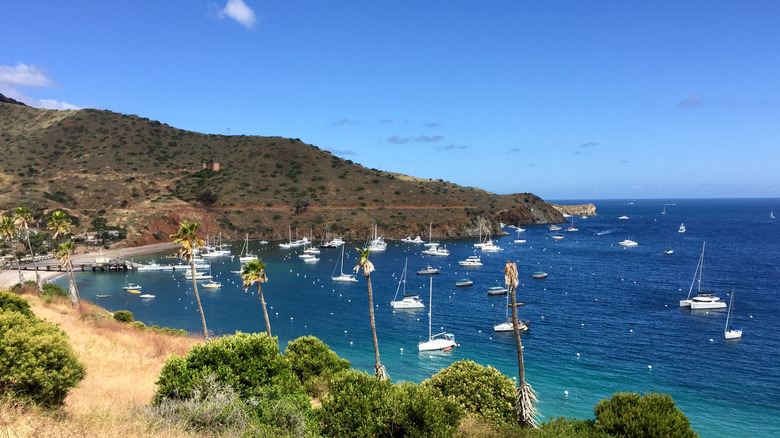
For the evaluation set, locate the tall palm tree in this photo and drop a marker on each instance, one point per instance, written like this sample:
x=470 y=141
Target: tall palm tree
x=64 y=253
x=9 y=232
x=187 y=236
x=253 y=271
x=22 y=218
x=368 y=267
x=526 y=397
x=59 y=223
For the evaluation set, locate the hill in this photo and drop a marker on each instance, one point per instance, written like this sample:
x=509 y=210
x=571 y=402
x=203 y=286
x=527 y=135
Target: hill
x=147 y=176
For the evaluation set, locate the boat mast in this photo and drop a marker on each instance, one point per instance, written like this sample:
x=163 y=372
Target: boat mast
x=728 y=315
x=430 y=310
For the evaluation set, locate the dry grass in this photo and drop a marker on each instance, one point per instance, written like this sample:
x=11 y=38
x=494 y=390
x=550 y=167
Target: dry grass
x=122 y=366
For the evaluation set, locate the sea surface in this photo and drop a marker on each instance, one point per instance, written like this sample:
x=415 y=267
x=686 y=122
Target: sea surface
x=606 y=318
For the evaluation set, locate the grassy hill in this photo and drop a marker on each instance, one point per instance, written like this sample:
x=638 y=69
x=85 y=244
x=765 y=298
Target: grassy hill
x=146 y=176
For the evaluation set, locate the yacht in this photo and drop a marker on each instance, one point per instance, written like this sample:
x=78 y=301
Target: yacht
x=471 y=261
x=628 y=243
x=464 y=282
x=410 y=240
x=436 y=251
x=707 y=300
x=557 y=237
x=538 y=275
x=491 y=247
x=681 y=229
x=429 y=270
x=496 y=290
x=554 y=227
x=212 y=285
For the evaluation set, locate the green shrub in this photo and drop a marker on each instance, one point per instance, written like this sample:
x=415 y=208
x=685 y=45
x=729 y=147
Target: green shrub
x=53 y=290
x=138 y=325
x=10 y=302
x=250 y=364
x=482 y=391
x=567 y=428
x=123 y=316
x=314 y=363
x=36 y=360
x=629 y=414
x=359 y=405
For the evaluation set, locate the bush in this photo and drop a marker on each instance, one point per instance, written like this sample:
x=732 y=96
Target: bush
x=359 y=405
x=10 y=302
x=36 y=360
x=632 y=415
x=482 y=391
x=250 y=364
x=314 y=363
x=123 y=316
x=53 y=290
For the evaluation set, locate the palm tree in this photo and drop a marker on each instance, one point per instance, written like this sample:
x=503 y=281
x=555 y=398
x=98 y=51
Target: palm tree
x=367 y=266
x=188 y=238
x=59 y=223
x=8 y=231
x=22 y=217
x=254 y=271
x=64 y=253
x=526 y=397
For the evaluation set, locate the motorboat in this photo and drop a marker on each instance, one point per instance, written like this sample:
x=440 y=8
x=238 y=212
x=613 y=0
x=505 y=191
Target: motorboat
x=519 y=240
x=623 y=217
x=554 y=227
x=491 y=247
x=681 y=229
x=131 y=286
x=464 y=282
x=436 y=251
x=146 y=296
x=496 y=290
x=538 y=275
x=343 y=278
x=707 y=301
x=212 y=285
x=471 y=261
x=557 y=237
x=628 y=243
x=441 y=341
x=407 y=301
x=429 y=270
x=410 y=240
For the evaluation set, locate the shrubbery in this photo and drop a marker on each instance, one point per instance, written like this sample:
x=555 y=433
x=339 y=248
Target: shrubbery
x=633 y=415
x=14 y=303
x=479 y=390
x=52 y=290
x=123 y=316
x=359 y=405
x=314 y=363
x=36 y=360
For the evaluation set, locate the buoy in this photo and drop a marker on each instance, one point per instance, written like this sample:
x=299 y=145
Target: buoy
x=631 y=330
x=565 y=392
x=650 y=367
x=402 y=349
x=578 y=355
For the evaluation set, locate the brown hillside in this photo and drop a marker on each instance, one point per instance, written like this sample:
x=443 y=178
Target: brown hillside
x=147 y=176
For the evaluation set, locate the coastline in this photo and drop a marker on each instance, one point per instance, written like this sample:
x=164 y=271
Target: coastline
x=10 y=277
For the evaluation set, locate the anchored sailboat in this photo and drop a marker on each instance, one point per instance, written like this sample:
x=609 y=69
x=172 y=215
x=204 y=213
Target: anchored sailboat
x=342 y=277
x=442 y=341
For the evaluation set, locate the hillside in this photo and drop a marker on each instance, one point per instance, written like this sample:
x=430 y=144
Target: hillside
x=146 y=176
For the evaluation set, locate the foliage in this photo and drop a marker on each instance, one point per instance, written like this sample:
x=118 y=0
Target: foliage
x=628 y=414
x=359 y=405
x=36 y=360
x=565 y=427
x=314 y=363
x=53 y=290
x=10 y=302
x=249 y=363
x=483 y=391
x=123 y=316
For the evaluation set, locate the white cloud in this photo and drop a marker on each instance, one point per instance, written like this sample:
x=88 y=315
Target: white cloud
x=239 y=11
x=28 y=76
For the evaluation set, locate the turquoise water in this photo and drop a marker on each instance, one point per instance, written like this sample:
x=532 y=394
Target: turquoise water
x=606 y=319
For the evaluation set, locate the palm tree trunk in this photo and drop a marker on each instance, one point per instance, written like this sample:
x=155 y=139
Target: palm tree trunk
x=197 y=298
x=32 y=254
x=73 y=290
x=18 y=268
x=379 y=369
x=518 y=342
x=265 y=312
x=526 y=411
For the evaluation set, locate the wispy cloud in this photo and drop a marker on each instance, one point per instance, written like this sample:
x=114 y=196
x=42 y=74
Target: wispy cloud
x=239 y=11
x=451 y=147
x=340 y=151
x=693 y=101
x=432 y=125
x=513 y=151
x=386 y=121
x=589 y=144
x=399 y=140
x=427 y=139
x=28 y=76
x=344 y=122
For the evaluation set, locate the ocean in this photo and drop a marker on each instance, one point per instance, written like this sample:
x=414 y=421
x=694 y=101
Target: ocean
x=606 y=319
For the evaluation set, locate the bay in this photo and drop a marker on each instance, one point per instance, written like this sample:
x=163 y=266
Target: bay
x=606 y=318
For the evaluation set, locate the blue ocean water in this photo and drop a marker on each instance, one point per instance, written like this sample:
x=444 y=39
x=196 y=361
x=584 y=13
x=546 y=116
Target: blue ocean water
x=606 y=319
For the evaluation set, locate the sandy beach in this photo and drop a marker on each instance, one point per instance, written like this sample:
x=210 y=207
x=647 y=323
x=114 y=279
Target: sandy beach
x=9 y=277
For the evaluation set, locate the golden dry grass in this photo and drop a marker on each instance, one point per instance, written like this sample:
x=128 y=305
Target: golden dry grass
x=122 y=365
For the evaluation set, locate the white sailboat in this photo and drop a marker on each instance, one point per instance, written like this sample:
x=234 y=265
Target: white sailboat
x=346 y=278
x=681 y=229
x=442 y=341
x=430 y=241
x=731 y=332
x=408 y=301
x=687 y=302
x=245 y=255
x=507 y=325
x=703 y=300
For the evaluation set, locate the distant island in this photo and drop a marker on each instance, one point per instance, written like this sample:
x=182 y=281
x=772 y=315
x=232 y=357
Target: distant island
x=146 y=176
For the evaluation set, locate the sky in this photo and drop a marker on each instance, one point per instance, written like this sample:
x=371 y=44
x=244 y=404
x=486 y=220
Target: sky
x=563 y=99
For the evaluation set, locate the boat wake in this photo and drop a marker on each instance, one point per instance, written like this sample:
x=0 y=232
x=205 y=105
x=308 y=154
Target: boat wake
x=601 y=233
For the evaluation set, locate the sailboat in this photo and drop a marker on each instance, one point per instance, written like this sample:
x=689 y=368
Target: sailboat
x=681 y=229
x=731 y=332
x=430 y=241
x=670 y=250
x=245 y=255
x=664 y=210
x=703 y=299
x=507 y=325
x=408 y=301
x=342 y=277
x=771 y=215
x=572 y=227
x=211 y=284
x=442 y=341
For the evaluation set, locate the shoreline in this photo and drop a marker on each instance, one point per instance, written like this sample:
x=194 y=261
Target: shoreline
x=10 y=277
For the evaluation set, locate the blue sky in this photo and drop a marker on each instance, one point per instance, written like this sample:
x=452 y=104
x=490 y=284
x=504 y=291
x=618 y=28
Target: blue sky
x=567 y=100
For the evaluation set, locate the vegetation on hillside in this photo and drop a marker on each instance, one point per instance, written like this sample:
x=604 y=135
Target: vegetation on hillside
x=147 y=176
